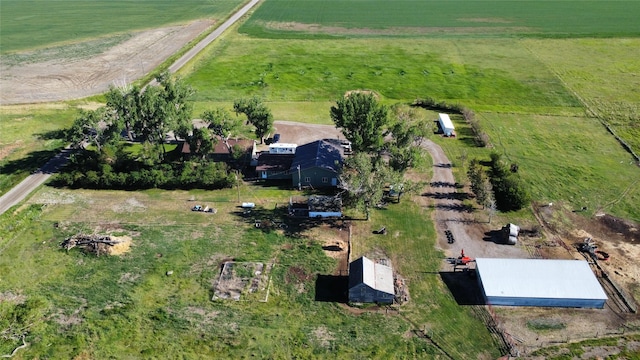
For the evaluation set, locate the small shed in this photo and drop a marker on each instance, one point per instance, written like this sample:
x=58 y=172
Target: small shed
x=540 y=282
x=370 y=282
x=446 y=125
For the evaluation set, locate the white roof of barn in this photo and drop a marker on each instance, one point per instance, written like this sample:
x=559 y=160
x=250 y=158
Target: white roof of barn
x=377 y=276
x=539 y=278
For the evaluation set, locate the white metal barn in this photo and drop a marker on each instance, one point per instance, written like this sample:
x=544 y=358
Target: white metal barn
x=446 y=125
x=539 y=282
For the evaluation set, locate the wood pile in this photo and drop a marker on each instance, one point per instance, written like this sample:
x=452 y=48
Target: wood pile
x=98 y=244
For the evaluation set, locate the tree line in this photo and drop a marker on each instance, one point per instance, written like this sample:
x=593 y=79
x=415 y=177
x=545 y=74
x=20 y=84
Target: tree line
x=145 y=117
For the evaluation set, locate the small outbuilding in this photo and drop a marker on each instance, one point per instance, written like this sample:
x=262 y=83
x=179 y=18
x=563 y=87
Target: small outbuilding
x=370 y=282
x=539 y=282
x=446 y=125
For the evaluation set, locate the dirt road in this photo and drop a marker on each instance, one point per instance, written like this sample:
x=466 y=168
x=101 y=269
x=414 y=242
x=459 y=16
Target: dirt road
x=451 y=214
x=24 y=188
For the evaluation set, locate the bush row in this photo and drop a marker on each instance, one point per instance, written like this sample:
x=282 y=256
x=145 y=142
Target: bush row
x=509 y=190
x=178 y=175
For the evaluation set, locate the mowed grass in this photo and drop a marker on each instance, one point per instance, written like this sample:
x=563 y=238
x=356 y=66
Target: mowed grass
x=284 y=18
x=410 y=244
x=29 y=24
x=126 y=306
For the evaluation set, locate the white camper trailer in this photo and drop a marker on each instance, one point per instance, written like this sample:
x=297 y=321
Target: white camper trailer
x=282 y=148
x=446 y=125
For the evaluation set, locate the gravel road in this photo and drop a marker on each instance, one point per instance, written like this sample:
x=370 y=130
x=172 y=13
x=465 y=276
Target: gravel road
x=451 y=214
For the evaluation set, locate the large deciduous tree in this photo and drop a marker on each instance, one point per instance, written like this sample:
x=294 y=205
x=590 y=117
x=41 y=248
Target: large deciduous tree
x=364 y=177
x=407 y=131
x=220 y=122
x=257 y=114
x=93 y=127
x=362 y=119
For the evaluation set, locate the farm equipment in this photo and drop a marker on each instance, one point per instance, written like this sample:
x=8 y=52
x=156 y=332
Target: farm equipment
x=382 y=231
x=463 y=259
x=589 y=247
x=450 y=239
x=206 y=209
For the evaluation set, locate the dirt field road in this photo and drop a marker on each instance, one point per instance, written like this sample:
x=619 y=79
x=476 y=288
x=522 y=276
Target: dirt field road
x=69 y=73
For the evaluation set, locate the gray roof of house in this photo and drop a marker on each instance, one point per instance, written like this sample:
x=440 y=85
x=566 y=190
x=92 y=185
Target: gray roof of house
x=326 y=154
x=376 y=276
x=538 y=278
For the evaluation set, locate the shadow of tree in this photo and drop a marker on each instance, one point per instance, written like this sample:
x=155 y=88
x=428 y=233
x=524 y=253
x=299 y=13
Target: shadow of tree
x=448 y=195
x=30 y=163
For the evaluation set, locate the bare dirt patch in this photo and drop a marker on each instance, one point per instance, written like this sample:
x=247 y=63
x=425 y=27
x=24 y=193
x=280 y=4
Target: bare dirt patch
x=426 y=30
x=70 y=75
x=302 y=133
x=243 y=280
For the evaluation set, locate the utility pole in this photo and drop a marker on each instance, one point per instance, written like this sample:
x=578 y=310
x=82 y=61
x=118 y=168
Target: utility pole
x=238 y=186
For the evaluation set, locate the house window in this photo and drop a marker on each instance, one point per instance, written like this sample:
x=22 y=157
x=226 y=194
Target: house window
x=325 y=180
x=307 y=179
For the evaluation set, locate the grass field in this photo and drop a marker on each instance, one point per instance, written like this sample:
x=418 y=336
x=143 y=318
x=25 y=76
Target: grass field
x=30 y=24
x=485 y=72
x=277 y=18
x=532 y=96
x=30 y=137
x=127 y=307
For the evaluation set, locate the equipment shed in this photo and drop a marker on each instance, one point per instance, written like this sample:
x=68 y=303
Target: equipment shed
x=539 y=282
x=370 y=282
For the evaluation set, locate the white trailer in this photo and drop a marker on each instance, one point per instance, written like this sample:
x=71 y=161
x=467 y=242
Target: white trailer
x=446 y=125
x=282 y=148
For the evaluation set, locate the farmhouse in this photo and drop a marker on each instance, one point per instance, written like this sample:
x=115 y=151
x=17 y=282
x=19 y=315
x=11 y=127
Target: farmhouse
x=446 y=125
x=317 y=164
x=539 y=282
x=274 y=166
x=370 y=282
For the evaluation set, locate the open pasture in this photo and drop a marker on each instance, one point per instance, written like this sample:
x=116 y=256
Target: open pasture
x=491 y=73
x=31 y=24
x=338 y=18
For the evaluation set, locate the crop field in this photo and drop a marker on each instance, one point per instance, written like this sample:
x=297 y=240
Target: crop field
x=288 y=18
x=31 y=24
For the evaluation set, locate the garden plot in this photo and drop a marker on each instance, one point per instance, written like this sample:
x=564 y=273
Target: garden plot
x=243 y=281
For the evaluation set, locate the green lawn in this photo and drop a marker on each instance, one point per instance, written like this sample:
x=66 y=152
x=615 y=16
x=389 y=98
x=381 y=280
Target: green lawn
x=30 y=24
x=448 y=18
